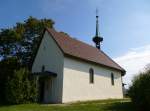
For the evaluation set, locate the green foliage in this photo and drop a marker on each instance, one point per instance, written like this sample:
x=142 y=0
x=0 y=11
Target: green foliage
x=19 y=89
x=21 y=40
x=140 y=91
x=7 y=68
x=18 y=46
x=9 y=36
x=16 y=83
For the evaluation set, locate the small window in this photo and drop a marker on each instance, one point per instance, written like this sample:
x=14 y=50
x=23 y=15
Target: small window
x=91 y=75
x=112 y=79
x=43 y=68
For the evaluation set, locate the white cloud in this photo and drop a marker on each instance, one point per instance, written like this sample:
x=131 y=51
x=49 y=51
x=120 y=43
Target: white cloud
x=134 y=61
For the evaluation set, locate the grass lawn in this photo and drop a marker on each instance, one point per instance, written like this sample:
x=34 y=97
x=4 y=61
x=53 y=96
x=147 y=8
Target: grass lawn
x=101 y=105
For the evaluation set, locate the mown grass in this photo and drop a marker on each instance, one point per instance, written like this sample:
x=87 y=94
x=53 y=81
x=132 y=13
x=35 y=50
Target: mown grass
x=101 y=105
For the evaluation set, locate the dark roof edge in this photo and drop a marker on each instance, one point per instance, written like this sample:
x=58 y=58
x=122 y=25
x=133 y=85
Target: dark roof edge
x=123 y=72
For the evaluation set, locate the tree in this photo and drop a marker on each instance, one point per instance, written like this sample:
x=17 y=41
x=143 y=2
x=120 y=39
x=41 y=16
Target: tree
x=21 y=40
x=140 y=91
x=17 y=48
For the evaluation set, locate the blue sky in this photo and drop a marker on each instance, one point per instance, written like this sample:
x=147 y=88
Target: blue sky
x=124 y=24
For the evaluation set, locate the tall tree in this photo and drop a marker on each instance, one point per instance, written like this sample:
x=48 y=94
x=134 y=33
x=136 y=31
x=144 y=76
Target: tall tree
x=21 y=40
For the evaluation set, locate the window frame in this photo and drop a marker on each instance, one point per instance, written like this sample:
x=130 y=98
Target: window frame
x=91 y=76
x=112 y=79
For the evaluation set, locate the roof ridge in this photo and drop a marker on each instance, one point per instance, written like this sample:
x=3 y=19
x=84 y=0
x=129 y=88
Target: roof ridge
x=60 y=32
x=78 y=40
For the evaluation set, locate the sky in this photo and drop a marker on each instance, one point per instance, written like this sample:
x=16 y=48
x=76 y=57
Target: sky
x=124 y=25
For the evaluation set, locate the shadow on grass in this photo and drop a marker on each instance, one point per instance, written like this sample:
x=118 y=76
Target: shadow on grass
x=120 y=106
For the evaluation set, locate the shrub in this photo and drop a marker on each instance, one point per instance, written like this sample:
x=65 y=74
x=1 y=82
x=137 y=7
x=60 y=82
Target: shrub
x=20 y=88
x=140 y=91
x=7 y=68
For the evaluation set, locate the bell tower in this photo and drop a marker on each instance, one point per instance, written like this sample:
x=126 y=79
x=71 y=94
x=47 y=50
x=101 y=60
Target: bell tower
x=97 y=39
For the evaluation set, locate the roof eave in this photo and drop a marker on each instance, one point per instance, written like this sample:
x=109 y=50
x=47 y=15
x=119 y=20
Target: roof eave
x=122 y=70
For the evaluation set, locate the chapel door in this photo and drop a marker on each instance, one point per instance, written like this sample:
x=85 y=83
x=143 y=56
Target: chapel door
x=48 y=90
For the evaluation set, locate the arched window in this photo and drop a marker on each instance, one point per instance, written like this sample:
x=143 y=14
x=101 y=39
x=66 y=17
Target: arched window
x=43 y=68
x=112 y=79
x=91 y=75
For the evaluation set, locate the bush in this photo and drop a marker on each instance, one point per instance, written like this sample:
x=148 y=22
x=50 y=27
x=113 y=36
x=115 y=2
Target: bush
x=140 y=91
x=20 y=88
x=7 y=68
x=16 y=84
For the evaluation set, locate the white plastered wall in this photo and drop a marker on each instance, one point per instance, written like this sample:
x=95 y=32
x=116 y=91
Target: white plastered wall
x=76 y=86
x=52 y=58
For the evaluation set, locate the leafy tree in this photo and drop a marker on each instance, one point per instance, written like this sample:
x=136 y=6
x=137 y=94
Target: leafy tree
x=140 y=91
x=21 y=40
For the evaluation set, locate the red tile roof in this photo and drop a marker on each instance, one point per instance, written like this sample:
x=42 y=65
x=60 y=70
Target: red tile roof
x=81 y=50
